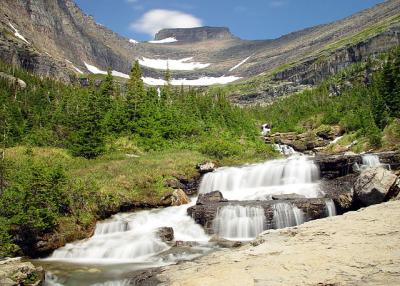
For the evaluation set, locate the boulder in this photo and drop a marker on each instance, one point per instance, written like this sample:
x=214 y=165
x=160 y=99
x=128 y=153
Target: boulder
x=13 y=271
x=13 y=80
x=206 y=167
x=175 y=198
x=166 y=234
x=373 y=185
x=209 y=198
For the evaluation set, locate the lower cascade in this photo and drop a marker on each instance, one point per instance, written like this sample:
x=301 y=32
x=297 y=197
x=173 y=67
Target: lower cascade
x=286 y=215
x=330 y=207
x=239 y=222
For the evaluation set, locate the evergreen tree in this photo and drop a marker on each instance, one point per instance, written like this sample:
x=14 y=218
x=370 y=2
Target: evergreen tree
x=135 y=93
x=107 y=91
x=87 y=138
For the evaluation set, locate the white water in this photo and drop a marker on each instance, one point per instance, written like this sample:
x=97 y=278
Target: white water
x=285 y=149
x=297 y=175
x=286 y=215
x=330 y=207
x=239 y=222
x=370 y=160
x=131 y=238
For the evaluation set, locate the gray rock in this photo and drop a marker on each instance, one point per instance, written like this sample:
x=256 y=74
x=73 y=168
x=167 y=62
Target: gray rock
x=166 y=234
x=206 y=167
x=15 y=272
x=209 y=198
x=373 y=185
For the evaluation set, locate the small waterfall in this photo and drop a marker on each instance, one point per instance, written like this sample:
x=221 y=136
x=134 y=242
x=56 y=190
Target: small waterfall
x=286 y=215
x=285 y=149
x=297 y=175
x=370 y=160
x=131 y=237
x=239 y=222
x=330 y=207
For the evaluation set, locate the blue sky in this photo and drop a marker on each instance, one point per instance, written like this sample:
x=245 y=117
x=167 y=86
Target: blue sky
x=251 y=19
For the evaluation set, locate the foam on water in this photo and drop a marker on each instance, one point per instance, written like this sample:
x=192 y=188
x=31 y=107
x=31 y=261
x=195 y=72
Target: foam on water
x=131 y=237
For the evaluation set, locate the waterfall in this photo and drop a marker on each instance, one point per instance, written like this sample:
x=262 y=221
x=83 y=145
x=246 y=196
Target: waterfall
x=297 y=175
x=330 y=207
x=370 y=160
x=286 y=215
x=285 y=149
x=239 y=222
x=131 y=237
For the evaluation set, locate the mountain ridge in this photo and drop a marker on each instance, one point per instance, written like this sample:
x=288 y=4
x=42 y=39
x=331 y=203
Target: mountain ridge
x=64 y=42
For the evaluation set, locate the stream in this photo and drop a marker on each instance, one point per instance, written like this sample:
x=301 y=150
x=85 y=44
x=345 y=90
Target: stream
x=127 y=242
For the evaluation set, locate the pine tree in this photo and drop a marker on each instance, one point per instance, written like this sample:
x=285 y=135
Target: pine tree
x=135 y=93
x=107 y=91
x=167 y=88
x=87 y=138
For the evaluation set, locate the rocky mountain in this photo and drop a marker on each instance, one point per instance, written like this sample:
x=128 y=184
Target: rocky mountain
x=56 y=38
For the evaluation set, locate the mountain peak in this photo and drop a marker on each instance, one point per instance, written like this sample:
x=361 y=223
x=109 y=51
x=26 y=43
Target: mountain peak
x=195 y=34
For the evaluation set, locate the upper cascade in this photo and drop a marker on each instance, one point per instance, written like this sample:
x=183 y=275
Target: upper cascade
x=195 y=34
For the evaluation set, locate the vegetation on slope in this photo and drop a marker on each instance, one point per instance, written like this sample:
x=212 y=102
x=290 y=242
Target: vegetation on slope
x=74 y=155
x=368 y=108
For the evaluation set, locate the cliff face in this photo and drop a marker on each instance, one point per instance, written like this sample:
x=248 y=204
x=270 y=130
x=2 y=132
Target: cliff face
x=196 y=34
x=55 y=38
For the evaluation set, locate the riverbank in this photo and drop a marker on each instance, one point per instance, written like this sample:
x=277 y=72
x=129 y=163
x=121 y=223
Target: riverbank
x=357 y=248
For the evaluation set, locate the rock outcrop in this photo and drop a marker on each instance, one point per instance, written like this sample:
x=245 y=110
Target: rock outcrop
x=195 y=34
x=358 y=248
x=299 y=142
x=373 y=185
x=15 y=272
x=205 y=212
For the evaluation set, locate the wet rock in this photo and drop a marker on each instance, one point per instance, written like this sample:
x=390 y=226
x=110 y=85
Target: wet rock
x=340 y=190
x=175 y=198
x=13 y=271
x=225 y=243
x=180 y=243
x=204 y=214
x=166 y=234
x=209 y=198
x=288 y=197
x=373 y=185
x=206 y=167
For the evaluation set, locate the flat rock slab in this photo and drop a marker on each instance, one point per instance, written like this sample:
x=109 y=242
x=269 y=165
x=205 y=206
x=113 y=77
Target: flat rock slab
x=358 y=248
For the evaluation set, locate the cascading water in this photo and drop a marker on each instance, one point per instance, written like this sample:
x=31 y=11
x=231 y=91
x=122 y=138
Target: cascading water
x=131 y=237
x=285 y=149
x=286 y=215
x=371 y=160
x=297 y=175
x=330 y=207
x=239 y=222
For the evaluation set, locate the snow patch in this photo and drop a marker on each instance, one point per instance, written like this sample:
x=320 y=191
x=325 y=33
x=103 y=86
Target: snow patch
x=68 y=61
x=203 y=81
x=96 y=70
x=178 y=65
x=239 y=64
x=78 y=70
x=120 y=74
x=17 y=34
x=132 y=41
x=164 y=41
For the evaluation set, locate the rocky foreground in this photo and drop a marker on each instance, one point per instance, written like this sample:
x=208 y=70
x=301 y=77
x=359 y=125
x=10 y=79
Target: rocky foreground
x=357 y=248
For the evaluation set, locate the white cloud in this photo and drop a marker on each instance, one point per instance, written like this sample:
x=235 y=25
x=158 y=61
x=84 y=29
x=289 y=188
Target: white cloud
x=155 y=20
x=277 y=3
